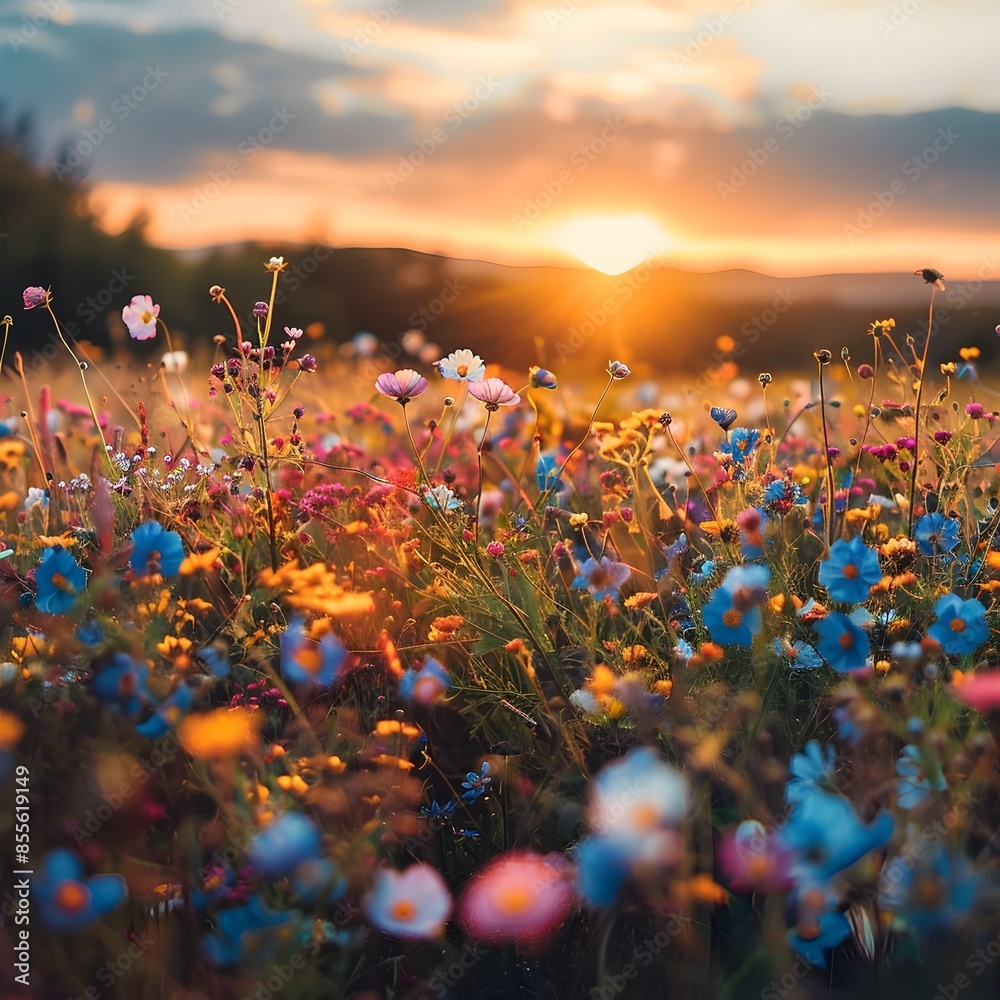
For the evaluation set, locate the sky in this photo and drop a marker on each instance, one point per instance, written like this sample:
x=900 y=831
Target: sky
x=786 y=136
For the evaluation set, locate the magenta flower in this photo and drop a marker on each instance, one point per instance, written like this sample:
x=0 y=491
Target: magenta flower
x=494 y=392
x=35 y=296
x=401 y=386
x=140 y=317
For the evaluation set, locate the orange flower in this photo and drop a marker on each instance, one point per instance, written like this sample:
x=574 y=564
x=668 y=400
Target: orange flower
x=200 y=562
x=221 y=733
x=11 y=730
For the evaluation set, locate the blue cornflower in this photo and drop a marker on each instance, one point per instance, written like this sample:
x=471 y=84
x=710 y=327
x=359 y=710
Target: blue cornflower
x=842 y=644
x=919 y=775
x=827 y=836
x=156 y=550
x=123 y=683
x=812 y=772
x=547 y=474
x=704 y=572
x=850 y=571
x=602 y=577
x=284 y=844
x=240 y=932
x=304 y=661
x=799 y=655
x=741 y=444
x=66 y=901
x=435 y=812
x=732 y=614
x=936 y=534
x=961 y=625
x=59 y=580
x=477 y=784
x=442 y=498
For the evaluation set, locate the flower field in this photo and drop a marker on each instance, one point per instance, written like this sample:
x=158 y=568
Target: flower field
x=329 y=675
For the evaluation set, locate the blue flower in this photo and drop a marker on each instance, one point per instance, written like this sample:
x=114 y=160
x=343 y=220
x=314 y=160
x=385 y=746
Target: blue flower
x=216 y=660
x=918 y=776
x=442 y=498
x=732 y=614
x=704 y=572
x=426 y=685
x=935 y=893
x=827 y=836
x=829 y=930
x=812 y=772
x=842 y=643
x=59 y=579
x=168 y=714
x=602 y=577
x=123 y=683
x=240 y=933
x=284 y=844
x=547 y=474
x=477 y=784
x=961 y=625
x=66 y=901
x=304 y=661
x=437 y=813
x=741 y=443
x=799 y=655
x=156 y=550
x=601 y=868
x=850 y=571
x=936 y=534
x=319 y=882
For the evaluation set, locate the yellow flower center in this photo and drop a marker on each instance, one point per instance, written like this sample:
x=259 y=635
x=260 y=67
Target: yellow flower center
x=61 y=583
x=732 y=618
x=957 y=625
x=146 y=316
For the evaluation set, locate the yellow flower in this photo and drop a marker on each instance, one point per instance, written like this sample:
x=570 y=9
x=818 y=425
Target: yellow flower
x=220 y=733
x=11 y=730
x=200 y=562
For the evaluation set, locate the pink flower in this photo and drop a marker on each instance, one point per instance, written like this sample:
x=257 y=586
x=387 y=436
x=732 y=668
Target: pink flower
x=413 y=903
x=519 y=897
x=979 y=691
x=140 y=317
x=495 y=548
x=35 y=296
x=494 y=392
x=401 y=386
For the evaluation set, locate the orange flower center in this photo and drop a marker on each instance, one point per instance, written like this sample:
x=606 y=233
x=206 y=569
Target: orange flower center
x=403 y=909
x=462 y=370
x=957 y=625
x=846 y=640
x=61 y=583
x=850 y=571
x=515 y=900
x=71 y=896
x=645 y=816
x=732 y=618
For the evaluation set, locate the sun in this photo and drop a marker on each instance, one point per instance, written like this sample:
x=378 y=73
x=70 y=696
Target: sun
x=612 y=243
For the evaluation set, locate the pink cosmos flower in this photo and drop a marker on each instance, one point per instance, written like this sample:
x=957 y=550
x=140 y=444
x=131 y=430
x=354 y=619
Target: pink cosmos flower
x=413 y=903
x=519 y=897
x=401 y=386
x=494 y=392
x=140 y=317
x=35 y=296
x=980 y=691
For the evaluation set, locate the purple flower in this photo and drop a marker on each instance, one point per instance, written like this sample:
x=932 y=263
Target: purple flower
x=494 y=392
x=402 y=385
x=602 y=577
x=260 y=309
x=307 y=363
x=35 y=296
x=617 y=370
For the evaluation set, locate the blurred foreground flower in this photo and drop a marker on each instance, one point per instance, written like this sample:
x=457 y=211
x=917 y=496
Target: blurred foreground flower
x=220 y=733
x=66 y=901
x=413 y=903
x=60 y=579
x=156 y=550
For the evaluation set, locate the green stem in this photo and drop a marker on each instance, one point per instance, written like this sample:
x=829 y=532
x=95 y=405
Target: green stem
x=916 y=415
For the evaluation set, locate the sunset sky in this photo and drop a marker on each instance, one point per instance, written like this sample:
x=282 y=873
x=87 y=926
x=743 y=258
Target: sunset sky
x=788 y=136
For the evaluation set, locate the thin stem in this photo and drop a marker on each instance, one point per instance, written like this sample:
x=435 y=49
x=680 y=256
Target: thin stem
x=694 y=475
x=8 y=322
x=826 y=452
x=479 y=459
x=916 y=414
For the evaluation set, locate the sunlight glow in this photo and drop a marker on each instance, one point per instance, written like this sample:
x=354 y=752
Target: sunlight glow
x=612 y=243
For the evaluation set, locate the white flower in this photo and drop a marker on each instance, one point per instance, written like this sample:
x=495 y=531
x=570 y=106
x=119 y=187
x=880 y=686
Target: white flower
x=275 y=264
x=175 y=362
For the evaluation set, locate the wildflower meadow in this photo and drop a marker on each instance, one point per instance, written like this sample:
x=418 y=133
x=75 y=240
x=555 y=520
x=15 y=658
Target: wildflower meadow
x=325 y=675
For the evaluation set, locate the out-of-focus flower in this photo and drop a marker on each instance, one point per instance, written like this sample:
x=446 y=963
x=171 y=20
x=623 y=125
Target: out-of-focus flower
x=980 y=691
x=168 y=715
x=494 y=392
x=547 y=474
x=932 y=895
x=284 y=844
x=175 y=362
x=732 y=614
x=936 y=534
x=818 y=927
x=842 y=644
x=602 y=577
x=220 y=733
x=799 y=655
x=36 y=496
x=518 y=898
x=919 y=775
x=462 y=366
x=60 y=580
x=66 y=901
x=413 y=903
x=402 y=385
x=304 y=661
x=319 y=881
x=850 y=571
x=812 y=771
x=35 y=296
x=426 y=685
x=123 y=683
x=156 y=550
x=636 y=795
x=140 y=317
x=540 y=378
x=961 y=625
x=276 y=264
x=755 y=861
x=242 y=931
x=618 y=370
